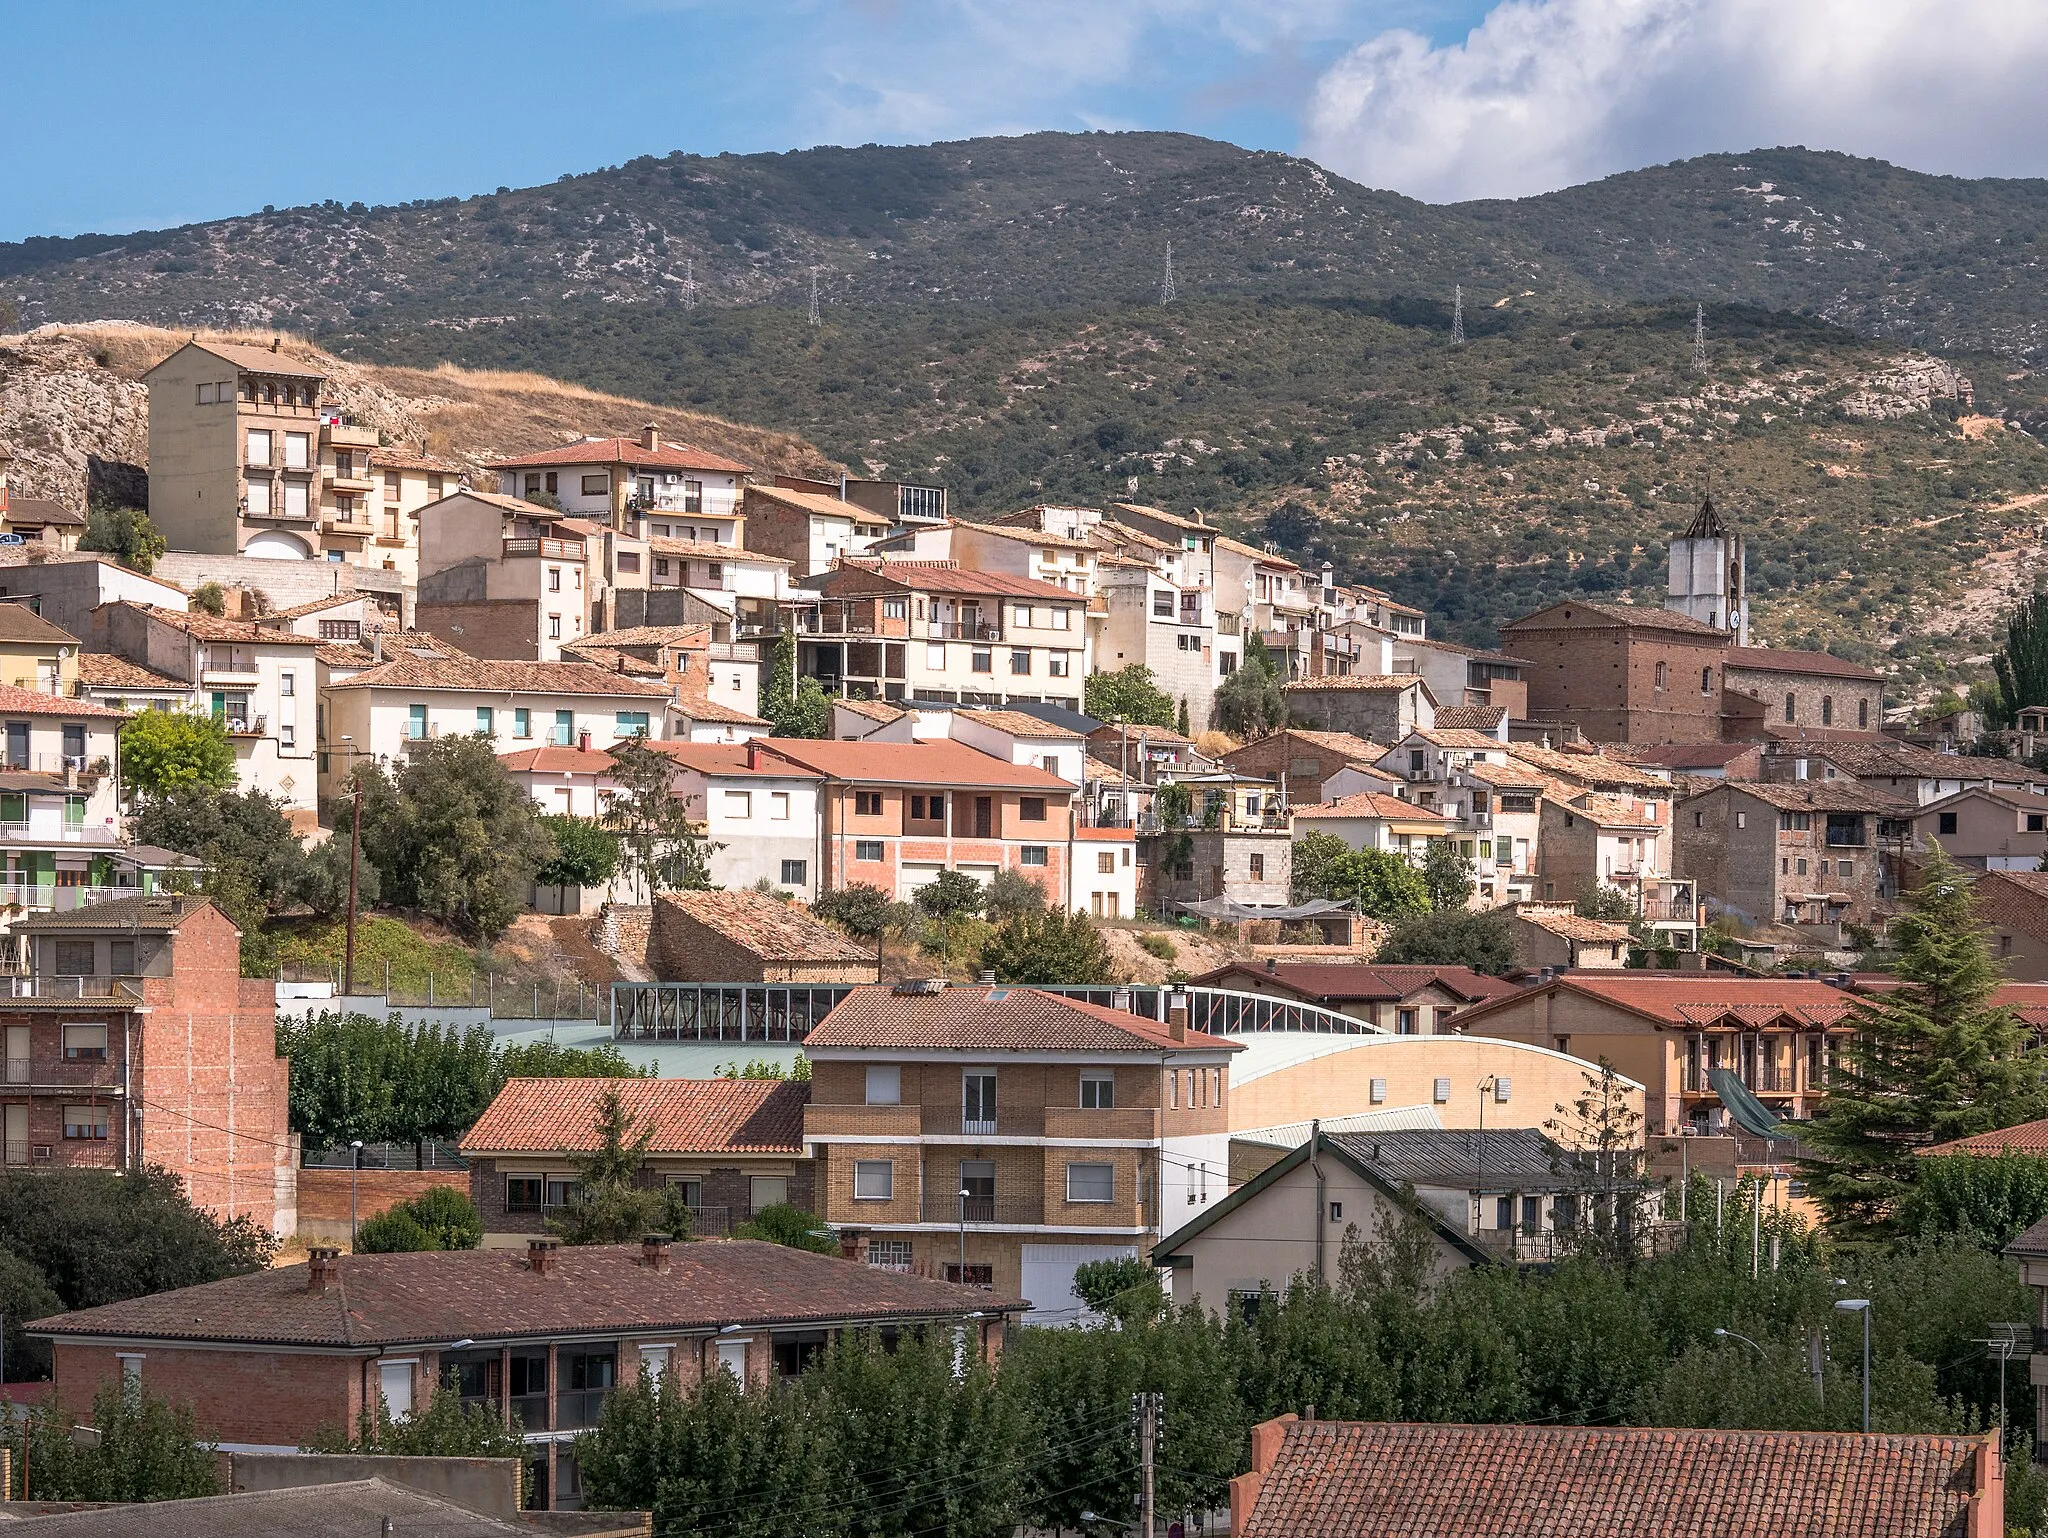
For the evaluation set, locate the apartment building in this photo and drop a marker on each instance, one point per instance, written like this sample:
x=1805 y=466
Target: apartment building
x=60 y=806
x=893 y=815
x=1816 y=853
x=1003 y=1136
x=1150 y=620
x=134 y=1040
x=643 y=485
x=1595 y=840
x=810 y=524
x=258 y=679
x=502 y=578
x=942 y=634
x=405 y=483
x=760 y=810
x=420 y=693
x=1465 y=675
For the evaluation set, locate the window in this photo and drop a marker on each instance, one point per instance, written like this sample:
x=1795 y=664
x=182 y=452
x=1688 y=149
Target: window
x=796 y=872
x=660 y=567
x=415 y=722
x=1031 y=808
x=1741 y=819
x=85 y=1123
x=889 y=1254
x=121 y=958
x=522 y=1193
x=565 y=727
x=1056 y=663
x=1162 y=605
x=554 y=579
x=2035 y=822
x=522 y=722
x=1020 y=661
x=867 y=803
x=693 y=500
x=1663 y=675
x=74 y=958
x=1440 y=1092
x=630 y=723
x=982 y=661
x=554 y=627
x=874 y=1180
x=1863 y=715
x=394 y=1381
x=259 y=446
x=1791 y=707
x=1031 y=854
x=1947 y=821
x=1503 y=1089
x=486 y=720
x=1802 y=868
x=533 y=484
x=298 y=451
x=971 y=1275
x=1098 y=1091
x=86 y=1043
x=259 y=498
x=935 y=656
x=1258 y=867
x=1845 y=867
x=1706 y=680
x=867 y=849
x=1022 y=613
x=895 y=608
x=597 y=485
x=1377 y=1091
x=778 y=800
x=295 y=500
x=739 y=803
x=1827 y=710
x=767 y=1190
x=1404 y=1022
x=1091 y=1182
x=884 y=1085
x=1105 y=863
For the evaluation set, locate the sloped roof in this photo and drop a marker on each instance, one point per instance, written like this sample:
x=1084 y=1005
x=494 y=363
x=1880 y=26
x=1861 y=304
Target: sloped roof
x=1695 y=999
x=318 y=605
x=697 y=707
x=1632 y=616
x=705 y=550
x=730 y=758
x=254 y=360
x=345 y=1509
x=767 y=927
x=465 y=673
x=21 y=624
x=1587 y=768
x=1687 y=755
x=1455 y=737
x=484 y=1295
x=1327 y=982
x=986 y=1018
x=931 y=577
x=2014 y=899
x=554 y=760
x=1340 y=1479
x=1364 y=683
x=1471 y=718
x=1368 y=803
x=686 y=1116
x=30 y=702
x=157 y=913
x=104 y=670
x=874 y=710
x=623 y=451
x=1575 y=926
x=1018 y=724
x=1827 y=796
x=937 y=762
x=1520 y=1157
x=1770 y=659
x=2028 y=1137
x=37 y=512
x=651 y=635
x=208 y=627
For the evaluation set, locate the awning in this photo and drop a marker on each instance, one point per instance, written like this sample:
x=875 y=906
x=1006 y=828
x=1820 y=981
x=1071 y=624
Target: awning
x=1224 y=910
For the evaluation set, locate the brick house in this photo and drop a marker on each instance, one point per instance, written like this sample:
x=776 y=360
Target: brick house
x=895 y=814
x=734 y=1145
x=1300 y=761
x=134 y=1041
x=1554 y=934
x=1798 y=854
x=1006 y=1135
x=1317 y=1479
x=1991 y=829
x=751 y=937
x=1622 y=673
x=543 y=1334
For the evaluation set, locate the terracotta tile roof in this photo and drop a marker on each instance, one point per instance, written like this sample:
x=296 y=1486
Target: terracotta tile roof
x=930 y=577
x=1575 y=926
x=153 y=914
x=1587 y=768
x=28 y=702
x=703 y=550
x=486 y=1295
x=1370 y=683
x=21 y=624
x=1263 y=557
x=458 y=672
x=318 y=605
x=1611 y=811
x=612 y=659
x=728 y=758
x=254 y=360
x=1026 y=536
x=1113 y=732
x=554 y=760
x=1433 y=644
x=686 y=1116
x=1698 y=998
x=345 y=654
x=207 y=627
x=697 y=708
x=2029 y=1137
x=1470 y=718
x=1355 y=749
x=2014 y=899
x=768 y=927
x=651 y=635
x=1826 y=796
x=1686 y=755
x=1635 y=616
x=1509 y=777
x=1766 y=659
x=623 y=451
x=914 y=763
x=1346 y=981
x=2012 y=798
x=994 y=1019
x=874 y=710
x=103 y=670
x=394 y=459
x=1901 y=760
x=1338 y=1479
x=1455 y=737
x=1017 y=724
x=815 y=502
x=1369 y=803
x=500 y=501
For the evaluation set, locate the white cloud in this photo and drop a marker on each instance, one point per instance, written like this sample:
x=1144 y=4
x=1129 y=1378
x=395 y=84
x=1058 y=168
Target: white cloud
x=1546 y=93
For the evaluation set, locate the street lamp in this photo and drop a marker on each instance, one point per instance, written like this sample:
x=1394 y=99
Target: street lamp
x=1093 y=1518
x=963 y=1237
x=1734 y=1335
x=1861 y=1306
x=355 y=1169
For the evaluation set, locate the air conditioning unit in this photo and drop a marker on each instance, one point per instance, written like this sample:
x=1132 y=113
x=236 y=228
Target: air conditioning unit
x=40 y=1152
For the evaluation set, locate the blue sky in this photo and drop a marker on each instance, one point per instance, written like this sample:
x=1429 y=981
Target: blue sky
x=130 y=114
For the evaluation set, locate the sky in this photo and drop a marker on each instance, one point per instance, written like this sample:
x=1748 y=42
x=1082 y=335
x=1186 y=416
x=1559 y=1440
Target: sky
x=132 y=114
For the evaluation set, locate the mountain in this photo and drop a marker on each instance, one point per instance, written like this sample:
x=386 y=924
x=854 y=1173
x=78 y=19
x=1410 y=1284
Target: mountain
x=991 y=320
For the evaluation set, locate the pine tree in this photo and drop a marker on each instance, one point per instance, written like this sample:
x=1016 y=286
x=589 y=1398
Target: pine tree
x=2022 y=663
x=1249 y=702
x=1933 y=1059
x=1180 y=719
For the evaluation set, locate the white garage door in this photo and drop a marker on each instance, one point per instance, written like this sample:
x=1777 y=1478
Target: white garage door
x=275 y=545
x=915 y=878
x=1049 y=1279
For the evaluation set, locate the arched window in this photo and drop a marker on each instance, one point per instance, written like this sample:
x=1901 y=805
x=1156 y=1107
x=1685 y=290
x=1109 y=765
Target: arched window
x=1791 y=707
x=1827 y=710
x=1863 y=715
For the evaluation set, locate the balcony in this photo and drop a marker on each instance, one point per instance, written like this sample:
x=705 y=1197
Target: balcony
x=53 y=1072
x=235 y=673
x=576 y=1409
x=49 y=831
x=248 y=726
x=669 y=502
x=117 y=991
x=340 y=435
x=74 y=1153
x=1124 y=1123
x=880 y=1122
x=963 y=630
x=359 y=526
x=983 y=1211
x=356 y=482
x=546 y=549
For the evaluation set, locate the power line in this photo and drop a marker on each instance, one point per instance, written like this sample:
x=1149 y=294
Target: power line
x=1168 y=289
x=814 y=297
x=1458 y=315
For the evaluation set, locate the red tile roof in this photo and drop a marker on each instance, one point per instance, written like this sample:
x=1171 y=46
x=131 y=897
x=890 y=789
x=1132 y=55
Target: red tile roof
x=2029 y=1137
x=487 y=1295
x=1364 y=683
x=623 y=451
x=686 y=1116
x=1769 y=659
x=28 y=702
x=1471 y=718
x=1575 y=926
x=499 y=677
x=729 y=758
x=1369 y=803
x=1695 y=999
x=1354 y=981
x=939 y=762
x=1345 y=1479
x=1635 y=617
x=774 y=930
x=553 y=760
x=207 y=627
x=994 y=1019
x=929 y=577
x=103 y=670
x=699 y=708
x=1586 y=768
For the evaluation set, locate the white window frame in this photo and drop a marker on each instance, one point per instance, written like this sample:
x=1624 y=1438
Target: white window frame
x=874 y=1180
x=1107 y=1168
x=884 y=1084
x=738 y=804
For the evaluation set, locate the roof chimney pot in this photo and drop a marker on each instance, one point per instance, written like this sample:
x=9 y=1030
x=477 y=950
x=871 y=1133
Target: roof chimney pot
x=541 y=1255
x=323 y=1265
x=654 y=1251
x=650 y=437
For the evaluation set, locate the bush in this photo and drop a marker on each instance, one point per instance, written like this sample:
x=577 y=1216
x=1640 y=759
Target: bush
x=126 y=534
x=1481 y=941
x=440 y=1218
x=1051 y=947
x=791 y=1227
x=955 y=894
x=859 y=909
x=1012 y=894
x=1160 y=946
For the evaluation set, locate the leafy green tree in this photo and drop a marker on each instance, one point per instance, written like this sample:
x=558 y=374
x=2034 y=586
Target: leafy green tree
x=439 y=1218
x=952 y=894
x=1249 y=702
x=148 y=1449
x=778 y=679
x=612 y=1206
x=2021 y=665
x=859 y=909
x=1012 y=894
x=1996 y=1199
x=1481 y=941
x=1933 y=1060
x=444 y=1427
x=1381 y=882
x=761 y=1068
x=210 y=598
x=791 y=1227
x=25 y=1294
x=586 y=854
x=163 y=750
x=552 y=1060
x=255 y=867
x=454 y=836
x=1447 y=872
x=660 y=847
x=809 y=714
x=322 y=883
x=1049 y=947
x=1610 y=904
x=1125 y=1290
x=1127 y=697
x=126 y=534
x=1180 y=717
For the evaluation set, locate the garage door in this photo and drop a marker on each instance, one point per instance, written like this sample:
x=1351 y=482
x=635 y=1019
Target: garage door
x=915 y=878
x=982 y=873
x=1048 y=1277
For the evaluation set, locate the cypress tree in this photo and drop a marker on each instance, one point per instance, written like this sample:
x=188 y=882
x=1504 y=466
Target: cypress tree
x=2022 y=663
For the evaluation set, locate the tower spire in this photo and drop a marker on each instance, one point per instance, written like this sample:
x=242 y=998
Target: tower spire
x=1168 y=290
x=1458 y=315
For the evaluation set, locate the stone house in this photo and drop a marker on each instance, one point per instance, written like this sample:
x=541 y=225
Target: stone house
x=1300 y=761
x=1380 y=707
x=1554 y=934
x=1794 y=854
x=1897 y=769
x=751 y=937
x=1804 y=690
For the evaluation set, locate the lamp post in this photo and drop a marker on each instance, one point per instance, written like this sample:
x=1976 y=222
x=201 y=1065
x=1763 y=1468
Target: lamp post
x=1861 y=1306
x=355 y=851
x=1733 y=1335
x=963 y=1236
x=355 y=1161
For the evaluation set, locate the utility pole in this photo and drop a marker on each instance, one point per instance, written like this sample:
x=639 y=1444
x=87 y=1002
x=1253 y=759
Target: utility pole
x=1699 y=339
x=355 y=855
x=1168 y=289
x=1148 y=1407
x=814 y=297
x=1458 y=315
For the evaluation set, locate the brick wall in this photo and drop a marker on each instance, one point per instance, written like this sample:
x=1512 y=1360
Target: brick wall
x=623 y=930
x=324 y=1196
x=265 y=1397
x=1603 y=678
x=507 y=628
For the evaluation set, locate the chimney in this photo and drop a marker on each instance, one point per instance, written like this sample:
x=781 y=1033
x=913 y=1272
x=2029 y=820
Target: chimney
x=323 y=1265
x=753 y=754
x=1177 y=1016
x=987 y=978
x=654 y=1252
x=376 y=645
x=853 y=1245
x=650 y=437
x=583 y=742
x=540 y=1255
x=1272 y=966
x=1267 y=1438
x=273 y=343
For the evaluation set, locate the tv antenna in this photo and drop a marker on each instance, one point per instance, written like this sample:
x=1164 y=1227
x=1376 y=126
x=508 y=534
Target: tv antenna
x=1168 y=291
x=689 y=285
x=1699 y=338
x=1458 y=315
x=814 y=297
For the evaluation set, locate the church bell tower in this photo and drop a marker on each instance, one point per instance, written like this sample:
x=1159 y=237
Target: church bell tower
x=1709 y=575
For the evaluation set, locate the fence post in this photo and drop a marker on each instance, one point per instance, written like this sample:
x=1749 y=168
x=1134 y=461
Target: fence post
x=430 y=990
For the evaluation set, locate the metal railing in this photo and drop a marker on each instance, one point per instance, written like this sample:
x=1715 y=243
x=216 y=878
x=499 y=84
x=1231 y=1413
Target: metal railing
x=117 y=990
x=962 y=630
x=558 y=549
x=950 y=1207
x=63 y=1072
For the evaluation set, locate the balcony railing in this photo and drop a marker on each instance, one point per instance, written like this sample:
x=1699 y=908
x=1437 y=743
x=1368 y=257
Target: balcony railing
x=963 y=630
x=552 y=549
x=984 y=1210
x=116 y=990
x=62 y=1072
